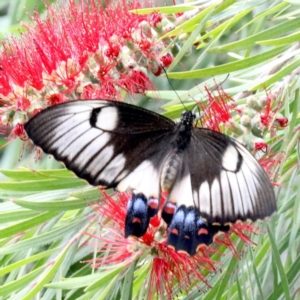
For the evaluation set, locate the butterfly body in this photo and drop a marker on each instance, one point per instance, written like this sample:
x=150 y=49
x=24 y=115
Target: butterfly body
x=208 y=178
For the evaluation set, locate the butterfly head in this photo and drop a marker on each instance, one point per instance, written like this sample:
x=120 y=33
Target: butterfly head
x=187 y=118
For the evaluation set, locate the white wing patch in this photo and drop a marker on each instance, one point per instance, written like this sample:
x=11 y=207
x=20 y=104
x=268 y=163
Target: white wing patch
x=107 y=119
x=204 y=198
x=113 y=169
x=143 y=179
x=228 y=208
x=230 y=159
x=216 y=198
x=96 y=142
x=101 y=160
x=181 y=194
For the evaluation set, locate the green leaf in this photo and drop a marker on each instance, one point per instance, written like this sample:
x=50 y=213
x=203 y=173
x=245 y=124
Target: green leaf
x=42 y=185
x=229 y=67
x=292 y=38
x=27 y=224
x=276 y=30
x=164 y=9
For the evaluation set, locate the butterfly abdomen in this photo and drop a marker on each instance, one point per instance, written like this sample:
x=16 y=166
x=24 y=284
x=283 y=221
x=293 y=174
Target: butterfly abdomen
x=169 y=172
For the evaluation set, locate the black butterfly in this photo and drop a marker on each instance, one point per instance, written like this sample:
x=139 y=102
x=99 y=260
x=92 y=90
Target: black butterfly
x=211 y=180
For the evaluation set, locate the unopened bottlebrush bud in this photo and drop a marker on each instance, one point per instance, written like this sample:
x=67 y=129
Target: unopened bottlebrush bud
x=20 y=117
x=253 y=103
x=234 y=127
x=155 y=67
x=126 y=58
x=263 y=101
x=245 y=110
x=246 y=121
x=167 y=25
x=183 y=37
x=256 y=125
x=4 y=119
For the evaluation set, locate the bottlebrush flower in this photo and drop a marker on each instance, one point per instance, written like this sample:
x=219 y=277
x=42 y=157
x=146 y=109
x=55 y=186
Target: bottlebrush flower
x=168 y=271
x=218 y=109
x=80 y=50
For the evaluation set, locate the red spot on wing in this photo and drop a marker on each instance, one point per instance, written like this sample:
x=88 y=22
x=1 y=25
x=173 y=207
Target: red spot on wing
x=153 y=204
x=136 y=220
x=202 y=231
x=175 y=231
x=169 y=209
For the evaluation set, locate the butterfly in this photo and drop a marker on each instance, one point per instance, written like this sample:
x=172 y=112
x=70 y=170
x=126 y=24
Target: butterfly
x=209 y=179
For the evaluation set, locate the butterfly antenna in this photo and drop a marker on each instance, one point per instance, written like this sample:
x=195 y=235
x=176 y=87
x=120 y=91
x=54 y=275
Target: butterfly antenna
x=173 y=88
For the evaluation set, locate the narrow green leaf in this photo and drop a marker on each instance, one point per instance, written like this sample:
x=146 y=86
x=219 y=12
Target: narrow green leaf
x=189 y=41
x=108 y=287
x=276 y=30
x=184 y=27
x=278 y=75
x=48 y=273
x=105 y=277
x=292 y=38
x=164 y=9
x=15 y=285
x=27 y=224
x=276 y=255
x=27 y=174
x=127 y=283
x=45 y=238
x=11 y=216
x=59 y=205
x=224 y=26
x=25 y=261
x=229 y=67
x=42 y=185
x=74 y=283
x=266 y=13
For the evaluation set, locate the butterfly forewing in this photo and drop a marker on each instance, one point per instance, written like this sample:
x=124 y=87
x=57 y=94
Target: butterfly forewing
x=102 y=141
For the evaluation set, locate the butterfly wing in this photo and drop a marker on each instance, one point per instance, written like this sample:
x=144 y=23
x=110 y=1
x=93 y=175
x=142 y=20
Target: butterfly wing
x=228 y=183
x=103 y=141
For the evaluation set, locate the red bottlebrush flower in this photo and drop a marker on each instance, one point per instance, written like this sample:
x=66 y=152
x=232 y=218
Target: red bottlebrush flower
x=145 y=45
x=155 y=19
x=112 y=51
x=217 y=110
x=21 y=65
x=169 y=271
x=23 y=103
x=136 y=82
x=5 y=87
x=260 y=145
x=270 y=162
x=77 y=46
x=56 y=99
x=167 y=59
x=268 y=117
x=282 y=121
x=20 y=132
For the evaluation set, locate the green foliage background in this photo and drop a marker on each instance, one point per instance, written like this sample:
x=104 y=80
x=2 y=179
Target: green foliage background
x=44 y=214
